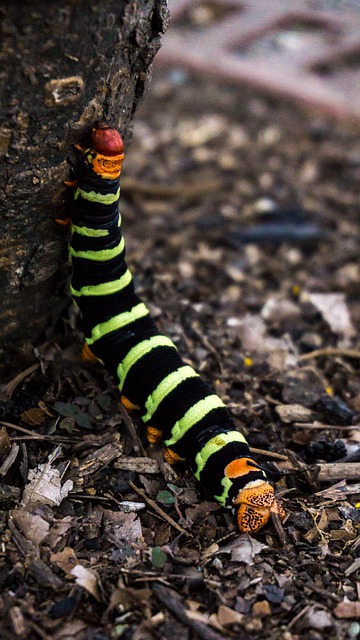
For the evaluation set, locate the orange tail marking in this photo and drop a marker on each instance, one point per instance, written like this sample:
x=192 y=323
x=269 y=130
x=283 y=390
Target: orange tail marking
x=257 y=502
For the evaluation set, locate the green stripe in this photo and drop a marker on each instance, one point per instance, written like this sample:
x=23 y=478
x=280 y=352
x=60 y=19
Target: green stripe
x=105 y=288
x=88 y=232
x=117 y=322
x=197 y=412
x=212 y=446
x=227 y=483
x=137 y=352
x=99 y=256
x=99 y=198
x=166 y=386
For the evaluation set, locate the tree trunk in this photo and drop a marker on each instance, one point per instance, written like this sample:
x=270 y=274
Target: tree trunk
x=65 y=64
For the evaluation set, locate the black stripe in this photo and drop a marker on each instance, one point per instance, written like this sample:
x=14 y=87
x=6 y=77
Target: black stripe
x=147 y=373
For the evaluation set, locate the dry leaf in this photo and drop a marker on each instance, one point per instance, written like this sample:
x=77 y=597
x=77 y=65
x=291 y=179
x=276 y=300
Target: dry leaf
x=334 y=311
x=33 y=417
x=261 y=609
x=88 y=580
x=45 y=486
x=33 y=527
x=66 y=560
x=5 y=442
x=120 y=526
x=245 y=549
x=318 y=618
x=227 y=616
x=126 y=596
x=58 y=530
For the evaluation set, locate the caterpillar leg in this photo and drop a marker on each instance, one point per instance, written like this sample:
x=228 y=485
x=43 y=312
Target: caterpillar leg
x=154 y=436
x=87 y=355
x=128 y=405
x=171 y=457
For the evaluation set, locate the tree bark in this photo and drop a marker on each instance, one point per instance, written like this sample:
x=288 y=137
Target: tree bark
x=64 y=65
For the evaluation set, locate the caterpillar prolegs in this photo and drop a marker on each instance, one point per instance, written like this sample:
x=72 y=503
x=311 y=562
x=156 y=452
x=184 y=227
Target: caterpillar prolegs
x=176 y=406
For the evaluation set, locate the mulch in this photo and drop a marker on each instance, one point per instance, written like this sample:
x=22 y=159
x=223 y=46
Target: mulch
x=241 y=220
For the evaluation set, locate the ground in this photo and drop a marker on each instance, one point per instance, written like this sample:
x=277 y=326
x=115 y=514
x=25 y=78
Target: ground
x=241 y=220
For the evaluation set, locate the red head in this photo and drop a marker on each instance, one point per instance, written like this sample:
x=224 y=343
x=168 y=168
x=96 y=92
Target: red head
x=109 y=152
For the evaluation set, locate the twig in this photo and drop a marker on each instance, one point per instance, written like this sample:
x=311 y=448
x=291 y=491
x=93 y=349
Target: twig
x=172 y=602
x=338 y=471
x=158 y=510
x=38 y=436
x=331 y=351
x=12 y=384
x=320 y=425
x=139 y=449
x=183 y=190
x=298 y=616
x=269 y=454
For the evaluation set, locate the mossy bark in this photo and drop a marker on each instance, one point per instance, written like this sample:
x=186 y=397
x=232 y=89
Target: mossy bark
x=65 y=64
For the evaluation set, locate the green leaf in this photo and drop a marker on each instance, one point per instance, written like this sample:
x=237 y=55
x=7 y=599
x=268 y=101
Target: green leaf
x=73 y=411
x=68 y=424
x=158 y=557
x=165 y=497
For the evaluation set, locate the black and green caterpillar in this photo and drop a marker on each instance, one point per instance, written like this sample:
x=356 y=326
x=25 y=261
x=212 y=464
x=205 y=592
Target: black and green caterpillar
x=176 y=406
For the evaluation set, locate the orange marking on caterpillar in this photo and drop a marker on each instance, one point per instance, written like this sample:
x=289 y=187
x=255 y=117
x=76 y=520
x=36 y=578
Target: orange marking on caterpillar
x=65 y=222
x=154 y=436
x=128 y=405
x=240 y=467
x=171 y=457
x=257 y=503
x=109 y=147
x=87 y=355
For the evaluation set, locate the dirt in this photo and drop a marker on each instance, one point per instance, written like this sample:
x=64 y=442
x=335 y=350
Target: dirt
x=241 y=220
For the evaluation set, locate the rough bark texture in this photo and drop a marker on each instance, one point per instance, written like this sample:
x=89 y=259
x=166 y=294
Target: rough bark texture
x=64 y=65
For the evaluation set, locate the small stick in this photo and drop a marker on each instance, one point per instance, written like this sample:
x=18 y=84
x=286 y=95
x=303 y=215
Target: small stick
x=269 y=454
x=38 y=436
x=158 y=510
x=331 y=351
x=320 y=425
x=172 y=602
x=139 y=449
x=338 y=471
x=12 y=384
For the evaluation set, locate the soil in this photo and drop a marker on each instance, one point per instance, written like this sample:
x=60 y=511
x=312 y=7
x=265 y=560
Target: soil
x=241 y=220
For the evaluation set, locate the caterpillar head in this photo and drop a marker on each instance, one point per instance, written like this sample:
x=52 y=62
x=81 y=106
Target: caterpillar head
x=109 y=152
x=256 y=504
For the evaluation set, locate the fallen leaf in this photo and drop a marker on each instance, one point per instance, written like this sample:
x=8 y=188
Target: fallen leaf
x=226 y=616
x=126 y=596
x=66 y=560
x=261 y=609
x=318 y=618
x=334 y=311
x=58 y=530
x=45 y=486
x=88 y=580
x=34 y=527
x=120 y=526
x=245 y=549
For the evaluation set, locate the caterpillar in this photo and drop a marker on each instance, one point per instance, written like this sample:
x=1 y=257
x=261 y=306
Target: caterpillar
x=174 y=403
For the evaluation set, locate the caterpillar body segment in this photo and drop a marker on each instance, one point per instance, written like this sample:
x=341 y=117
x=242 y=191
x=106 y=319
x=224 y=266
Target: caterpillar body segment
x=175 y=405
